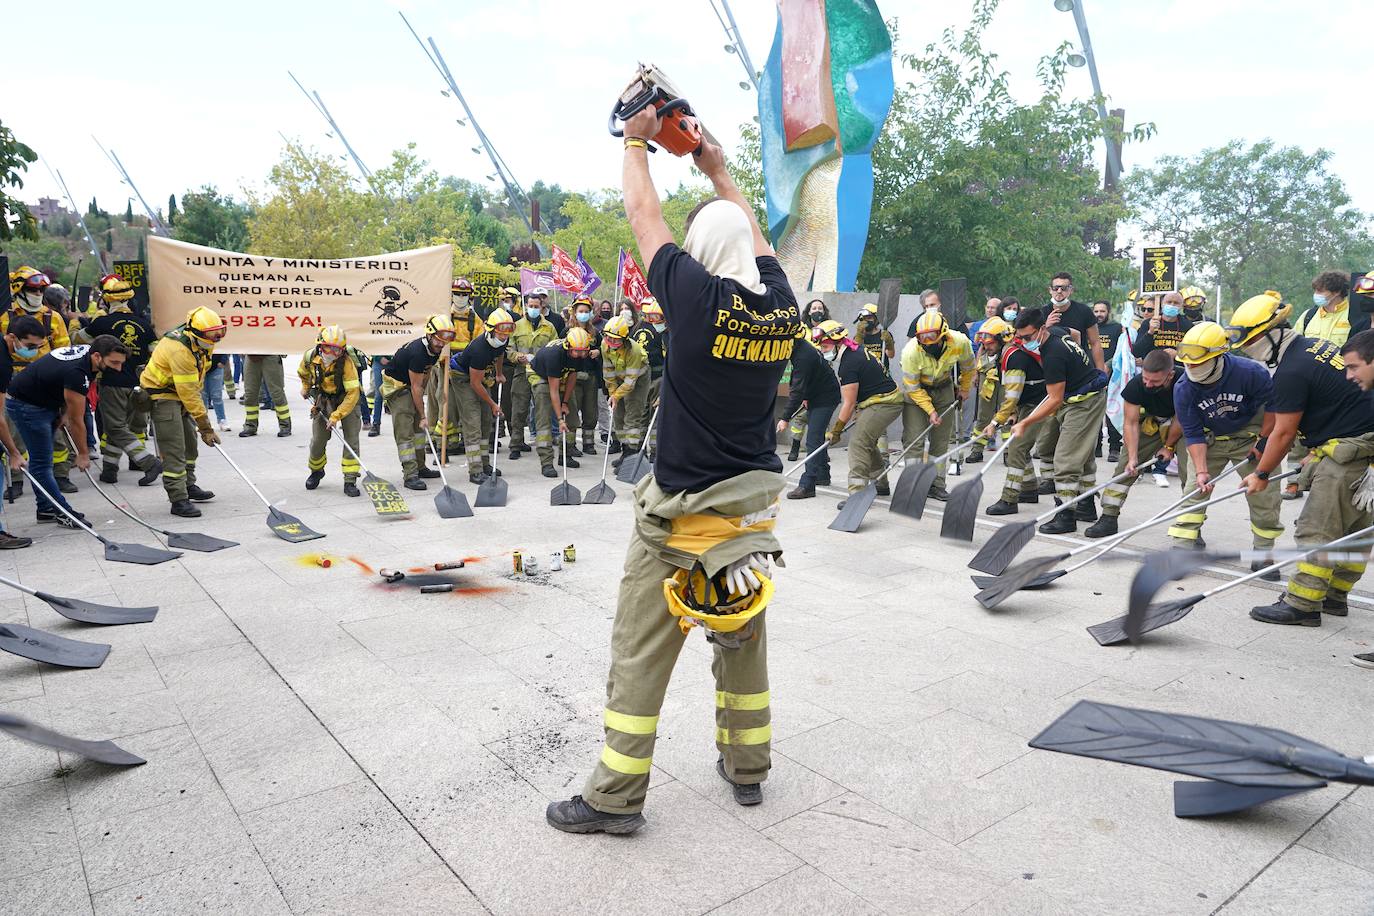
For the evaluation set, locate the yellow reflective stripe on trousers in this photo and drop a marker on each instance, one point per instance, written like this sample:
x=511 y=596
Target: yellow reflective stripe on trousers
x=1315 y=571
x=1271 y=533
x=628 y=724
x=1302 y=591
x=743 y=701
x=1191 y=518
x=623 y=763
x=1187 y=534
x=759 y=735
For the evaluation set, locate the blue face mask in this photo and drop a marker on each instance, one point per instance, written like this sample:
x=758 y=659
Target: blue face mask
x=26 y=352
x=1172 y=311
x=584 y=317
x=534 y=312
x=1319 y=300
x=1009 y=315
x=1031 y=345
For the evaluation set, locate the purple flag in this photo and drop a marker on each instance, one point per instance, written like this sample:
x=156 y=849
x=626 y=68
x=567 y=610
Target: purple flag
x=532 y=279
x=590 y=281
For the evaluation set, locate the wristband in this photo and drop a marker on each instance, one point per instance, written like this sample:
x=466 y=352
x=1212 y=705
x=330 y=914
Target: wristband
x=1263 y=475
x=636 y=143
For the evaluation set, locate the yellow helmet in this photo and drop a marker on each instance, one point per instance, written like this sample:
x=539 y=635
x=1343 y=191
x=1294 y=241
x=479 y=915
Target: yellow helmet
x=577 y=339
x=618 y=327
x=868 y=313
x=996 y=328
x=931 y=327
x=1255 y=316
x=440 y=326
x=333 y=336
x=1193 y=296
x=114 y=288
x=500 y=317
x=649 y=309
x=1364 y=286
x=205 y=323
x=696 y=599
x=27 y=279
x=1204 y=341
x=830 y=329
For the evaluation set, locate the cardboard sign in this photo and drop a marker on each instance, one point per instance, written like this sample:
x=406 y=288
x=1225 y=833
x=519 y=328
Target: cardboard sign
x=135 y=273
x=486 y=291
x=1159 y=269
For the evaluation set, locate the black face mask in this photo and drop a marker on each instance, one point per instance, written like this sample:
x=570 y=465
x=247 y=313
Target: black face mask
x=935 y=349
x=1104 y=319
x=1192 y=314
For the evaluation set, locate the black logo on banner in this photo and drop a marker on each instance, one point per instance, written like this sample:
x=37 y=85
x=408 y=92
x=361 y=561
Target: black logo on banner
x=1159 y=269
x=391 y=304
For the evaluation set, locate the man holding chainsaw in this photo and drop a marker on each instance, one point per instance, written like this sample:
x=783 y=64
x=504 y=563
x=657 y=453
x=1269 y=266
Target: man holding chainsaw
x=703 y=538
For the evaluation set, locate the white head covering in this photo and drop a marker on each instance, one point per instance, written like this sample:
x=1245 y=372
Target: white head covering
x=722 y=241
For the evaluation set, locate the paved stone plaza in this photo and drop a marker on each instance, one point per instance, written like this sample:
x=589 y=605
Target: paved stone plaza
x=321 y=742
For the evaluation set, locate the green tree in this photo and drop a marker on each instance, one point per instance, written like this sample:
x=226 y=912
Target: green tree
x=171 y=209
x=411 y=207
x=142 y=247
x=312 y=209
x=210 y=218
x=551 y=199
x=129 y=212
x=109 y=240
x=1253 y=217
x=15 y=218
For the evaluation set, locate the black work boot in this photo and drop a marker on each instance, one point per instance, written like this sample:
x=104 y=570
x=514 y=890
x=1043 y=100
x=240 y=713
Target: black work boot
x=802 y=493
x=1272 y=575
x=66 y=486
x=571 y=461
x=938 y=493
x=314 y=479
x=794 y=452
x=1085 y=511
x=1062 y=523
x=185 y=508
x=1334 y=603
x=284 y=430
x=415 y=483
x=548 y=471
x=975 y=456
x=882 y=488
x=576 y=816
x=744 y=794
x=248 y=431
x=514 y=453
x=1113 y=454
x=429 y=473
x=1103 y=527
x=151 y=473
x=1028 y=498
x=625 y=452
x=1046 y=487
x=109 y=473
x=351 y=489
x=1001 y=507
x=573 y=452
x=614 y=446
x=1284 y=614
x=589 y=447
x=198 y=495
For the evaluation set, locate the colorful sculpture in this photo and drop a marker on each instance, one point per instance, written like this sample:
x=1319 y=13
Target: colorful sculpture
x=823 y=97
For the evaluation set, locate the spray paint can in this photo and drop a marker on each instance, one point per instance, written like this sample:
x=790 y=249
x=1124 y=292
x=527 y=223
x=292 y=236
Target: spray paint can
x=531 y=565
x=436 y=589
x=324 y=562
x=570 y=554
x=455 y=564
x=392 y=575
x=518 y=562
x=556 y=561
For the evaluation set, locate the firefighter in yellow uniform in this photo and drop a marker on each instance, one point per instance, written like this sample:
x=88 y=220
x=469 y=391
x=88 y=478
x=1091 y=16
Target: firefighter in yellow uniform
x=174 y=378
x=992 y=336
x=467 y=327
x=532 y=332
x=931 y=363
x=329 y=380
x=625 y=367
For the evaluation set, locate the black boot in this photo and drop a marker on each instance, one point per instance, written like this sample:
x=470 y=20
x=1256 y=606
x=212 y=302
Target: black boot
x=429 y=473
x=248 y=431
x=571 y=461
x=198 y=495
x=576 y=816
x=614 y=446
x=802 y=493
x=938 y=493
x=1046 y=487
x=744 y=794
x=1028 y=498
x=1001 y=507
x=548 y=471
x=351 y=489
x=1283 y=613
x=1113 y=454
x=975 y=456
x=284 y=430
x=1086 y=511
x=1062 y=523
x=415 y=483
x=589 y=447
x=573 y=452
x=314 y=479
x=1103 y=527
x=374 y=431
x=514 y=453
x=1272 y=575
x=66 y=486
x=185 y=508
x=1334 y=603
x=109 y=473
x=794 y=452
x=151 y=473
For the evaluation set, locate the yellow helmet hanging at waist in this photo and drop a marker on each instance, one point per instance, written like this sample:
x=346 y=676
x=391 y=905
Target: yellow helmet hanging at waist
x=696 y=599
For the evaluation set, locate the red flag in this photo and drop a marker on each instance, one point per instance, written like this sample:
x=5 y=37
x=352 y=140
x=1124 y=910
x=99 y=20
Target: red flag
x=632 y=283
x=566 y=275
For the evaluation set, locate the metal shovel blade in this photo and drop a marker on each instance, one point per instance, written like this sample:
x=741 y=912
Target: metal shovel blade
x=565 y=494
x=999 y=550
x=137 y=553
x=1127 y=628
x=452 y=503
x=99 y=751
x=599 y=495
x=26 y=642
x=633 y=469
x=1157 y=571
x=1020 y=576
x=202 y=543
x=491 y=492
x=288 y=527
x=855 y=508
x=918 y=479
x=90 y=612
x=961 y=509
x=386 y=499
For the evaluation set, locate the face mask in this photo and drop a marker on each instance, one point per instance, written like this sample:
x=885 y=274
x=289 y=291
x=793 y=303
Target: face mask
x=1172 y=311
x=584 y=317
x=204 y=344
x=1009 y=315
x=657 y=326
x=461 y=305
x=627 y=314
x=31 y=307
x=1031 y=345
x=495 y=341
x=1207 y=373
x=1319 y=300
x=328 y=358
x=605 y=313
x=534 y=313
x=934 y=349
x=26 y=352
x=818 y=313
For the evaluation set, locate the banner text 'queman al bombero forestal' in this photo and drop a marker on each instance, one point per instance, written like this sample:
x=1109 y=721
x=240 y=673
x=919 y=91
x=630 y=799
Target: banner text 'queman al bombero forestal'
x=279 y=305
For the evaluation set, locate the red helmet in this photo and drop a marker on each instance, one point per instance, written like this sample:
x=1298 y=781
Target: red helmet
x=463 y=286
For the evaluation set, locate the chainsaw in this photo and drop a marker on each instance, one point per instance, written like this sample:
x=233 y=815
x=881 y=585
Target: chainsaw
x=679 y=131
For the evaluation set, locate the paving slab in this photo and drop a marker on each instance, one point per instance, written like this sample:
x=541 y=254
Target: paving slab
x=1305 y=881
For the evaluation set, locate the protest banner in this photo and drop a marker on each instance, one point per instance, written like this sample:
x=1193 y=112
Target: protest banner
x=279 y=305
x=530 y=280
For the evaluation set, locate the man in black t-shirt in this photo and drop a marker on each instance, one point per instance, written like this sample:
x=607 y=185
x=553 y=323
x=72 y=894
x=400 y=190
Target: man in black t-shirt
x=869 y=396
x=123 y=405
x=1109 y=335
x=1063 y=311
x=1075 y=397
x=1150 y=433
x=1023 y=388
x=704 y=519
x=50 y=395
x=482 y=363
x=1165 y=330
x=814 y=385
x=1315 y=401
x=403 y=388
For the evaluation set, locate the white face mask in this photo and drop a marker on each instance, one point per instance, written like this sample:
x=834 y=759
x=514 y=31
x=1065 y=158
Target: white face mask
x=1206 y=373
x=461 y=304
x=328 y=358
x=495 y=341
x=657 y=326
x=627 y=314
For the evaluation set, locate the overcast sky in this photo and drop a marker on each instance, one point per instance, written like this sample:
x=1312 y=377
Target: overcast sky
x=189 y=93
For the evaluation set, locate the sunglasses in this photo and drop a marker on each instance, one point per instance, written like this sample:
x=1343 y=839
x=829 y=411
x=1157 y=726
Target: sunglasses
x=1147 y=311
x=1059 y=288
